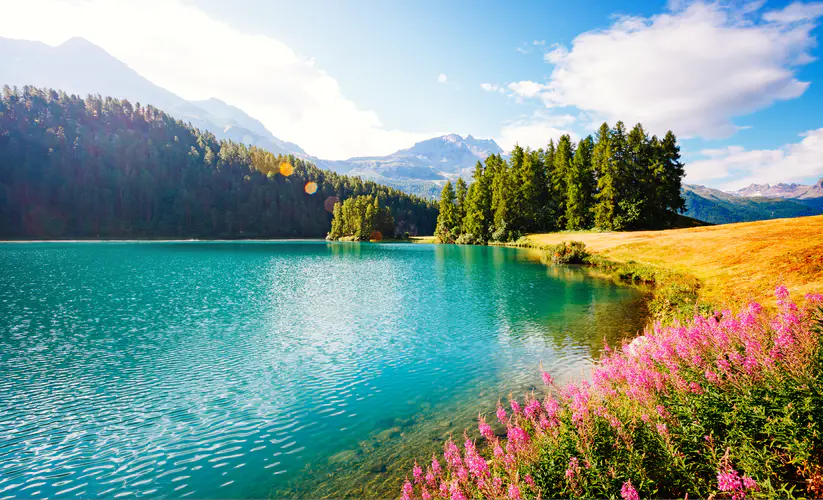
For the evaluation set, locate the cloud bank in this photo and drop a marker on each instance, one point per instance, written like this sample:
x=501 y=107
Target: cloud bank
x=181 y=48
x=692 y=70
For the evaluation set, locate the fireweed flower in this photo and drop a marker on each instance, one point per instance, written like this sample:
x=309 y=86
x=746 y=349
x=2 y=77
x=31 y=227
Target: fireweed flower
x=514 y=492
x=417 y=472
x=547 y=379
x=485 y=429
x=628 y=492
x=408 y=490
x=501 y=414
x=435 y=466
x=515 y=407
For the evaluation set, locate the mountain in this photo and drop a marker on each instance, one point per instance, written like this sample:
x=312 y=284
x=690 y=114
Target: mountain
x=439 y=158
x=798 y=191
x=719 y=207
x=802 y=193
x=77 y=66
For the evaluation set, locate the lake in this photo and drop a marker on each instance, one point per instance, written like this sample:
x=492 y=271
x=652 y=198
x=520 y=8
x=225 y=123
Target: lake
x=272 y=369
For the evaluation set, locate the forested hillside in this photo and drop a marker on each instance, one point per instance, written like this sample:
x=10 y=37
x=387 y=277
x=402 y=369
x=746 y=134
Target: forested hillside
x=102 y=167
x=717 y=207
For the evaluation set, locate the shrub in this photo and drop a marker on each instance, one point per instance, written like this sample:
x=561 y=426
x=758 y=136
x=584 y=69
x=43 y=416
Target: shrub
x=724 y=406
x=571 y=252
x=467 y=239
x=443 y=234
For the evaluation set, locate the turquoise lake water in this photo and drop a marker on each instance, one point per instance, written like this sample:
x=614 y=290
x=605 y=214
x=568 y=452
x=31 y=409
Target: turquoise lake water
x=272 y=369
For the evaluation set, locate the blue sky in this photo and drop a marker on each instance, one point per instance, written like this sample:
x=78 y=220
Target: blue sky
x=738 y=82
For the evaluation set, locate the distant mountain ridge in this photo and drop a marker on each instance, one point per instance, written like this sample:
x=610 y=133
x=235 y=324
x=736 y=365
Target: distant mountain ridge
x=80 y=67
x=435 y=159
x=783 y=190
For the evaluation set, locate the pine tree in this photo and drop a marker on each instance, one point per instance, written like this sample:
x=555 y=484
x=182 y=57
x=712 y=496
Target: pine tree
x=562 y=164
x=503 y=203
x=534 y=194
x=479 y=216
x=672 y=178
x=608 y=194
x=636 y=207
x=447 y=222
x=580 y=185
x=461 y=190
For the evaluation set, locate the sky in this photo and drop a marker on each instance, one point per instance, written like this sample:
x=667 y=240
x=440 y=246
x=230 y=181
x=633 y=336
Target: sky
x=739 y=83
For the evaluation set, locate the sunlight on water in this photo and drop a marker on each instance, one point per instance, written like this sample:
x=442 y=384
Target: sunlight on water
x=271 y=369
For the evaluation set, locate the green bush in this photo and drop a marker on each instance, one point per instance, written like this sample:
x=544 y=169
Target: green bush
x=566 y=252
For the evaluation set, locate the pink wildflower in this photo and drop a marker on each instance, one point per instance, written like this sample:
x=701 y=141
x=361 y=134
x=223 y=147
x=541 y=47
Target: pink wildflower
x=514 y=492
x=455 y=493
x=417 y=472
x=485 y=429
x=425 y=495
x=573 y=469
x=547 y=379
x=781 y=292
x=532 y=409
x=501 y=414
x=628 y=492
x=435 y=466
x=528 y=479
x=408 y=490
x=515 y=407
x=430 y=479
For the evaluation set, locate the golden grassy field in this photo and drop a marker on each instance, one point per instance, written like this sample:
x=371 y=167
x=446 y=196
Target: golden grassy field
x=734 y=262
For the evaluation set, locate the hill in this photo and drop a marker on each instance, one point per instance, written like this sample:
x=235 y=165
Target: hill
x=80 y=67
x=104 y=168
x=718 y=207
x=734 y=262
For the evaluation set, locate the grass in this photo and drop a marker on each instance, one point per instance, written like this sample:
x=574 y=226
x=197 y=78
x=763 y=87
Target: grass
x=735 y=263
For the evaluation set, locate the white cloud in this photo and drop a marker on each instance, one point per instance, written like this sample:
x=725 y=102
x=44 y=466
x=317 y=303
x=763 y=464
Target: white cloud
x=535 y=131
x=734 y=167
x=490 y=87
x=441 y=78
x=539 y=42
x=796 y=12
x=692 y=70
x=179 y=47
x=526 y=88
x=522 y=50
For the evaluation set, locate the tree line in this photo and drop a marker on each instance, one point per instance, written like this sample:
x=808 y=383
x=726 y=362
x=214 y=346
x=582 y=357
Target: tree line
x=101 y=167
x=614 y=181
x=361 y=218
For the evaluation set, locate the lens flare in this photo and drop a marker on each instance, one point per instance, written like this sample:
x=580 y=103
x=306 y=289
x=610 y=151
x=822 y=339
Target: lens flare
x=329 y=203
x=286 y=168
x=311 y=187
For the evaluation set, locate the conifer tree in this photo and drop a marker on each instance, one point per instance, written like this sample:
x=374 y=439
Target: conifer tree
x=562 y=164
x=478 y=220
x=461 y=190
x=672 y=176
x=580 y=185
x=448 y=225
x=608 y=194
x=533 y=188
x=503 y=203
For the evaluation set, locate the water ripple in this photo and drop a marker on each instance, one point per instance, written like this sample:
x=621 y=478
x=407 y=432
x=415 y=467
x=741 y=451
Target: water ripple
x=269 y=369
